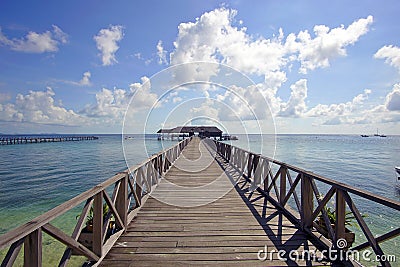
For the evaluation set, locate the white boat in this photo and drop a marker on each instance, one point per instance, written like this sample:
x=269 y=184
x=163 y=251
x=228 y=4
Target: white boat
x=397 y=170
x=379 y=135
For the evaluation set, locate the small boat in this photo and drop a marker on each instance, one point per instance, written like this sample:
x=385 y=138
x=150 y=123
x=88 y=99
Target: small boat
x=364 y=135
x=379 y=135
x=397 y=169
x=128 y=137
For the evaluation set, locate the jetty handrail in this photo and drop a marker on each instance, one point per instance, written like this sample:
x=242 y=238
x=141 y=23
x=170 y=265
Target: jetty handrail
x=279 y=187
x=131 y=189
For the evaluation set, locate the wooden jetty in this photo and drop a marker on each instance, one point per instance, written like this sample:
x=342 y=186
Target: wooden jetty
x=43 y=139
x=205 y=203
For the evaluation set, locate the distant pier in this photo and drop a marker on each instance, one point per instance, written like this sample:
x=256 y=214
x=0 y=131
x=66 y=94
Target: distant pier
x=42 y=139
x=182 y=132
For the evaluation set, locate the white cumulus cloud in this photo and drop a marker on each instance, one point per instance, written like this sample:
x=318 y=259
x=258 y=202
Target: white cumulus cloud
x=387 y=112
x=216 y=37
x=109 y=103
x=107 y=43
x=391 y=54
x=161 y=53
x=348 y=112
x=85 y=81
x=393 y=99
x=39 y=107
x=296 y=105
x=213 y=37
x=328 y=43
x=34 y=42
x=112 y=104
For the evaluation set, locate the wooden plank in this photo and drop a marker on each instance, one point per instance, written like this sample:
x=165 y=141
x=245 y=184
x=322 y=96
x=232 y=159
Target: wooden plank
x=114 y=211
x=282 y=189
x=198 y=233
x=33 y=249
x=77 y=231
x=292 y=190
x=307 y=202
x=124 y=240
x=195 y=257
x=121 y=204
x=340 y=217
x=98 y=224
x=12 y=253
x=219 y=263
x=364 y=227
x=382 y=238
x=69 y=241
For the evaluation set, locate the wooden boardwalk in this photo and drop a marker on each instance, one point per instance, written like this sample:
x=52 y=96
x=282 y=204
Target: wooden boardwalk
x=211 y=219
x=189 y=205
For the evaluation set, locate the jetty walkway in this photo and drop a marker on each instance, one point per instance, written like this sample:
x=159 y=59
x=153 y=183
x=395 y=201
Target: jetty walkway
x=228 y=231
x=204 y=202
x=43 y=139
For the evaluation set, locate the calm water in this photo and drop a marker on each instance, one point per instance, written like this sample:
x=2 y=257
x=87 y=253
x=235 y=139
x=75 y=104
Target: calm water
x=37 y=177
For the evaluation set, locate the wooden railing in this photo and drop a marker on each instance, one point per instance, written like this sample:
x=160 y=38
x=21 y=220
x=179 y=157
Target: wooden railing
x=290 y=182
x=130 y=189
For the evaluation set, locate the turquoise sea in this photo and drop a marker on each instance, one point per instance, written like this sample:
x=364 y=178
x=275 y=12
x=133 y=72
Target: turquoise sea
x=37 y=177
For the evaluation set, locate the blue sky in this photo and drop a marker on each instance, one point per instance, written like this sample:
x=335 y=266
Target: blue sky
x=317 y=66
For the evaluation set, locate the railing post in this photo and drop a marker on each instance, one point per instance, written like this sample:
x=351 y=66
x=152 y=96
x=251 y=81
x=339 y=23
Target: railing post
x=257 y=166
x=155 y=167
x=235 y=160
x=159 y=164
x=122 y=200
x=266 y=178
x=98 y=224
x=307 y=201
x=166 y=161
x=340 y=216
x=249 y=165
x=33 y=249
x=282 y=193
x=150 y=173
x=138 y=188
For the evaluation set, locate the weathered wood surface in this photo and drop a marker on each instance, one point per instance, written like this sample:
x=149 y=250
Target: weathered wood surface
x=228 y=231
